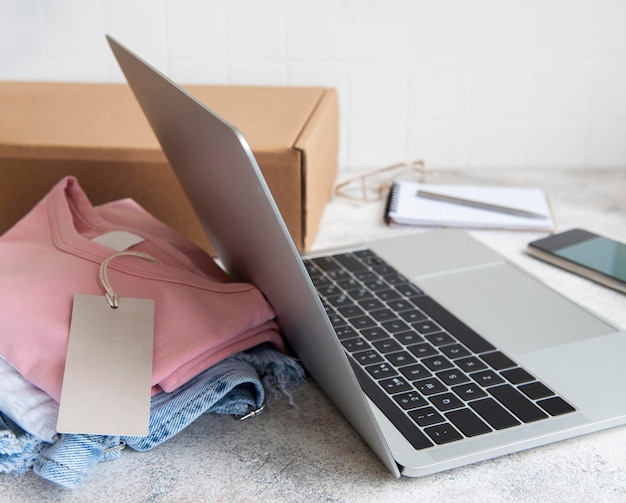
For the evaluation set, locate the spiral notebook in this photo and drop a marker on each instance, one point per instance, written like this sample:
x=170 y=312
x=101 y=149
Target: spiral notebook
x=406 y=207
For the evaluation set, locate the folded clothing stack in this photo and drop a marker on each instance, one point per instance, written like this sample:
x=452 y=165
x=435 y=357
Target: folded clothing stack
x=216 y=343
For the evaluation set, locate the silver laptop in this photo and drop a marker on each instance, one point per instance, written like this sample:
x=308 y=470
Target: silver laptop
x=437 y=350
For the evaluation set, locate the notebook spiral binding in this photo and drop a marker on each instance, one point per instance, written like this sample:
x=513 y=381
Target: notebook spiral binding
x=392 y=203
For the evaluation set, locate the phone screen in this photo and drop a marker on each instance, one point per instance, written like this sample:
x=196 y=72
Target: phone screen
x=599 y=253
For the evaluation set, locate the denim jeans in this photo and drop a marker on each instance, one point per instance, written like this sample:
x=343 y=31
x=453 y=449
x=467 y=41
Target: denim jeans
x=234 y=386
x=18 y=448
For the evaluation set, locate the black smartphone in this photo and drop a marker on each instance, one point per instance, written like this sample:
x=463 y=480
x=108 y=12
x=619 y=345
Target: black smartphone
x=595 y=257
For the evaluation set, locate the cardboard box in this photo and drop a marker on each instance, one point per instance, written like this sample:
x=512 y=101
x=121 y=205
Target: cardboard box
x=98 y=133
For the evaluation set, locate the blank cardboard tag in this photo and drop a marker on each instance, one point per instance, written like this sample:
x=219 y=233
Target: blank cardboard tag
x=108 y=372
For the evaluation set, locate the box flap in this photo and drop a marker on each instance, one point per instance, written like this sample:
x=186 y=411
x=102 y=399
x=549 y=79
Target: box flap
x=74 y=121
x=104 y=122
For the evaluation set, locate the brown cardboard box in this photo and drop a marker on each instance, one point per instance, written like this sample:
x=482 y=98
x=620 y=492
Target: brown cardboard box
x=98 y=133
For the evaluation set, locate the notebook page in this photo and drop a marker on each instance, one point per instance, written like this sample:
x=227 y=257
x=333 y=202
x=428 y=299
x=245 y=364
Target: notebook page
x=407 y=208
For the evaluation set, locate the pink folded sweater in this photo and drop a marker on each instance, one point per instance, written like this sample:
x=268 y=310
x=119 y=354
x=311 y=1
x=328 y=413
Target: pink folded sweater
x=201 y=316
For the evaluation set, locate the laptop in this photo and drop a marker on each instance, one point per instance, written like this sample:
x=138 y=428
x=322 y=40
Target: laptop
x=438 y=351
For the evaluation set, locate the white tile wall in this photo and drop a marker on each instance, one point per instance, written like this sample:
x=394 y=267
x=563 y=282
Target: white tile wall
x=460 y=83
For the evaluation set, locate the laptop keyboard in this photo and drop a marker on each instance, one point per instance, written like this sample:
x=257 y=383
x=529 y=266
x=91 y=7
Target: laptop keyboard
x=436 y=379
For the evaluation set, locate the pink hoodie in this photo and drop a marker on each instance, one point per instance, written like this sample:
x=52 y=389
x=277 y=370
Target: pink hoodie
x=201 y=316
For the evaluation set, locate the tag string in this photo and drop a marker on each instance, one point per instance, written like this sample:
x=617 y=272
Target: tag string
x=104 y=279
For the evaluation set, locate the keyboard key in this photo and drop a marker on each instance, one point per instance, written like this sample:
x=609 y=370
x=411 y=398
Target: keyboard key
x=517 y=403
x=413 y=316
x=374 y=334
x=372 y=304
x=401 y=305
x=452 y=376
x=328 y=290
x=536 y=390
x=337 y=321
x=426 y=327
x=375 y=284
x=469 y=391
x=471 y=364
x=498 y=360
x=395 y=385
x=556 y=406
x=443 y=433
x=392 y=277
x=362 y=322
x=409 y=290
x=366 y=254
x=388 y=295
x=357 y=344
x=350 y=262
x=383 y=269
x=368 y=357
x=326 y=263
x=400 y=359
x=395 y=326
x=422 y=350
x=350 y=311
x=430 y=386
x=487 y=378
x=446 y=401
x=348 y=284
x=346 y=332
x=439 y=362
x=468 y=422
x=494 y=414
x=365 y=275
x=339 y=300
x=415 y=372
x=426 y=416
x=517 y=375
x=310 y=266
x=454 y=351
x=319 y=280
x=410 y=400
x=383 y=315
x=381 y=370
x=338 y=274
x=408 y=338
x=359 y=294
x=439 y=339
x=387 y=345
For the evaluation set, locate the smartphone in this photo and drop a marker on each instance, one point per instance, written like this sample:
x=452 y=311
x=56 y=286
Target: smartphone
x=595 y=257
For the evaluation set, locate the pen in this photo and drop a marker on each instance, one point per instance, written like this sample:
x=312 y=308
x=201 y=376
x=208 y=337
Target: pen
x=479 y=204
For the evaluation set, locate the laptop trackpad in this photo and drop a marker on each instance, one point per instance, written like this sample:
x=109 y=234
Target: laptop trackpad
x=514 y=311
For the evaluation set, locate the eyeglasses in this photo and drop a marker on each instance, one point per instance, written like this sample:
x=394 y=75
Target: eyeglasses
x=373 y=185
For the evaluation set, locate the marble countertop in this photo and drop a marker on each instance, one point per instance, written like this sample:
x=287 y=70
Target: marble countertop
x=310 y=453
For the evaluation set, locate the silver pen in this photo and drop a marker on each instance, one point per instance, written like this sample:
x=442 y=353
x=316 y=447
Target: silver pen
x=479 y=204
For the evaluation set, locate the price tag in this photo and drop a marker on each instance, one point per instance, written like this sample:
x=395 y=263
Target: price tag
x=108 y=371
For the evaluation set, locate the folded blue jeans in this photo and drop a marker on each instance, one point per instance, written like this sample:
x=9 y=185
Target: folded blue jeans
x=234 y=386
